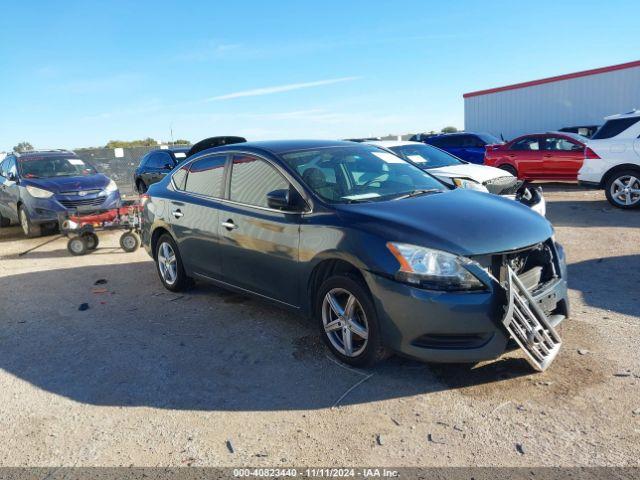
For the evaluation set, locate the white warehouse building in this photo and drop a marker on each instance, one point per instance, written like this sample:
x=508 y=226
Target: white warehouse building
x=576 y=99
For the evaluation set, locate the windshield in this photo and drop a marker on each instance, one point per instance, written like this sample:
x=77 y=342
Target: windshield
x=359 y=174
x=426 y=156
x=48 y=167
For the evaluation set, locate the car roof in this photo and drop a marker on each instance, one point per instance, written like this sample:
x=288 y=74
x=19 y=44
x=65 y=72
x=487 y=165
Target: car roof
x=392 y=143
x=281 y=146
x=633 y=113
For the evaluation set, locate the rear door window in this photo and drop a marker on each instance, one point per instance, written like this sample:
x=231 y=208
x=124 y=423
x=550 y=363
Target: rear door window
x=611 y=128
x=206 y=176
x=560 y=144
x=252 y=178
x=159 y=160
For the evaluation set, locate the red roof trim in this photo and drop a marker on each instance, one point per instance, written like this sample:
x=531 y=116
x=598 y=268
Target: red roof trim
x=568 y=76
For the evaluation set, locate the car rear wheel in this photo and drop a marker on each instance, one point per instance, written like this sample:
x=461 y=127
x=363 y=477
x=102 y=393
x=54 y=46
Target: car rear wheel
x=28 y=227
x=623 y=189
x=508 y=168
x=169 y=264
x=348 y=322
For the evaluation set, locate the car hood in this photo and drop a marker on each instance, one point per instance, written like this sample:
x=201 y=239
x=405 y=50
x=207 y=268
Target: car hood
x=460 y=221
x=479 y=173
x=70 y=184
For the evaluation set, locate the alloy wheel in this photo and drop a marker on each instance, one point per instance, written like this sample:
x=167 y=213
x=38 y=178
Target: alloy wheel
x=167 y=263
x=345 y=322
x=625 y=190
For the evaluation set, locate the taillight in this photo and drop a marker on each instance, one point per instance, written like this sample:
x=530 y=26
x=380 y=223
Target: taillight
x=590 y=154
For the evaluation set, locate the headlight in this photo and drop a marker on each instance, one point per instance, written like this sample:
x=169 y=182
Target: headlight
x=433 y=269
x=39 y=192
x=112 y=187
x=470 y=184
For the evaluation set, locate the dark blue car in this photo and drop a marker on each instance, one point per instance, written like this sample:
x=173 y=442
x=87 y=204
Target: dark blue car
x=379 y=253
x=464 y=145
x=35 y=187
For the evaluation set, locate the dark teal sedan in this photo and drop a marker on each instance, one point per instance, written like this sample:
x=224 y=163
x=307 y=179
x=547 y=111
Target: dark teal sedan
x=383 y=256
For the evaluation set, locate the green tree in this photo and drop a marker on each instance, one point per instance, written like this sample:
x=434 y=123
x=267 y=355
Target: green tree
x=182 y=141
x=449 y=130
x=147 y=142
x=23 y=147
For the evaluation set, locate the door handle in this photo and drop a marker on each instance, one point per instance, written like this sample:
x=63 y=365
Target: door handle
x=177 y=213
x=229 y=225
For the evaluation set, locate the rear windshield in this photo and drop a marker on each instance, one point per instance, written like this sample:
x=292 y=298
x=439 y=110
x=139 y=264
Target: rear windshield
x=48 y=167
x=426 y=156
x=611 y=128
x=489 y=139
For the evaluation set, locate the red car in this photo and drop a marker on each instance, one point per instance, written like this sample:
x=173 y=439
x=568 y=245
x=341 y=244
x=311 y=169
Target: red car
x=543 y=156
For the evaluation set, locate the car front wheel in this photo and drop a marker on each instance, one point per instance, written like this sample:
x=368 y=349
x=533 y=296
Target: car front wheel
x=348 y=322
x=623 y=189
x=29 y=228
x=169 y=264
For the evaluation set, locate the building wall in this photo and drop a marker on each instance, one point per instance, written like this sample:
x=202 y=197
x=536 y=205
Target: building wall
x=551 y=106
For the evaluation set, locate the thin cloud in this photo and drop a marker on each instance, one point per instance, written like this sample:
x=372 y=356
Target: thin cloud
x=280 y=88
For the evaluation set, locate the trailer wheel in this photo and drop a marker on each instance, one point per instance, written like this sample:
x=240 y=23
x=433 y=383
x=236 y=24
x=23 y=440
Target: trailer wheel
x=91 y=239
x=129 y=242
x=77 y=246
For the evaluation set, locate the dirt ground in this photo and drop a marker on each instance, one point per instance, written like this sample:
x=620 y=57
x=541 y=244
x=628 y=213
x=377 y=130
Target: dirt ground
x=149 y=378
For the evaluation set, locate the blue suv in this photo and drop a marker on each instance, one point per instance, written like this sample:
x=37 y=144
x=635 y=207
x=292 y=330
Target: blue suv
x=35 y=187
x=464 y=145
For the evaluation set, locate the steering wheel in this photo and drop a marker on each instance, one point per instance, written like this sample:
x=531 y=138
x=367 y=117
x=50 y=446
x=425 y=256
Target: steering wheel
x=373 y=180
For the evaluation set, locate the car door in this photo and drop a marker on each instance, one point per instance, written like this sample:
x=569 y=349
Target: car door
x=561 y=157
x=473 y=149
x=259 y=245
x=9 y=188
x=454 y=145
x=194 y=216
x=526 y=155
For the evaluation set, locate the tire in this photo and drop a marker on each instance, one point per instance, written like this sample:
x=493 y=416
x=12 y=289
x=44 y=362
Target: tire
x=358 y=350
x=129 y=242
x=77 y=246
x=166 y=248
x=91 y=239
x=509 y=168
x=142 y=187
x=29 y=228
x=623 y=189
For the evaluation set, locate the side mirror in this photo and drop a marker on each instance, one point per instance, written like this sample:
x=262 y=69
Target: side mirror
x=282 y=200
x=279 y=199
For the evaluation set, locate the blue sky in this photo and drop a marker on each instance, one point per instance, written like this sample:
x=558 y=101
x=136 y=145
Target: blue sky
x=79 y=73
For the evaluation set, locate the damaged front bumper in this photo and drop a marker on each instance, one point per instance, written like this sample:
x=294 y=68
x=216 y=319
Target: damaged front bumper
x=467 y=327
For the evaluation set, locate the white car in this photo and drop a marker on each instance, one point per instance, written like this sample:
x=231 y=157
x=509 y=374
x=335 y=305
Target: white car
x=612 y=160
x=460 y=174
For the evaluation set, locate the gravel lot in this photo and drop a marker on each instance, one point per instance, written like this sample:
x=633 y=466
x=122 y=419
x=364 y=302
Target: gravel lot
x=145 y=377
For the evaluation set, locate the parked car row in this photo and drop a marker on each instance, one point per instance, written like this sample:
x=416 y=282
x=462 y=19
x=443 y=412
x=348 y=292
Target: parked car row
x=384 y=254
x=608 y=159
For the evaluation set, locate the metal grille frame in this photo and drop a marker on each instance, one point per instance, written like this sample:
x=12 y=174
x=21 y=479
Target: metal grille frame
x=527 y=323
